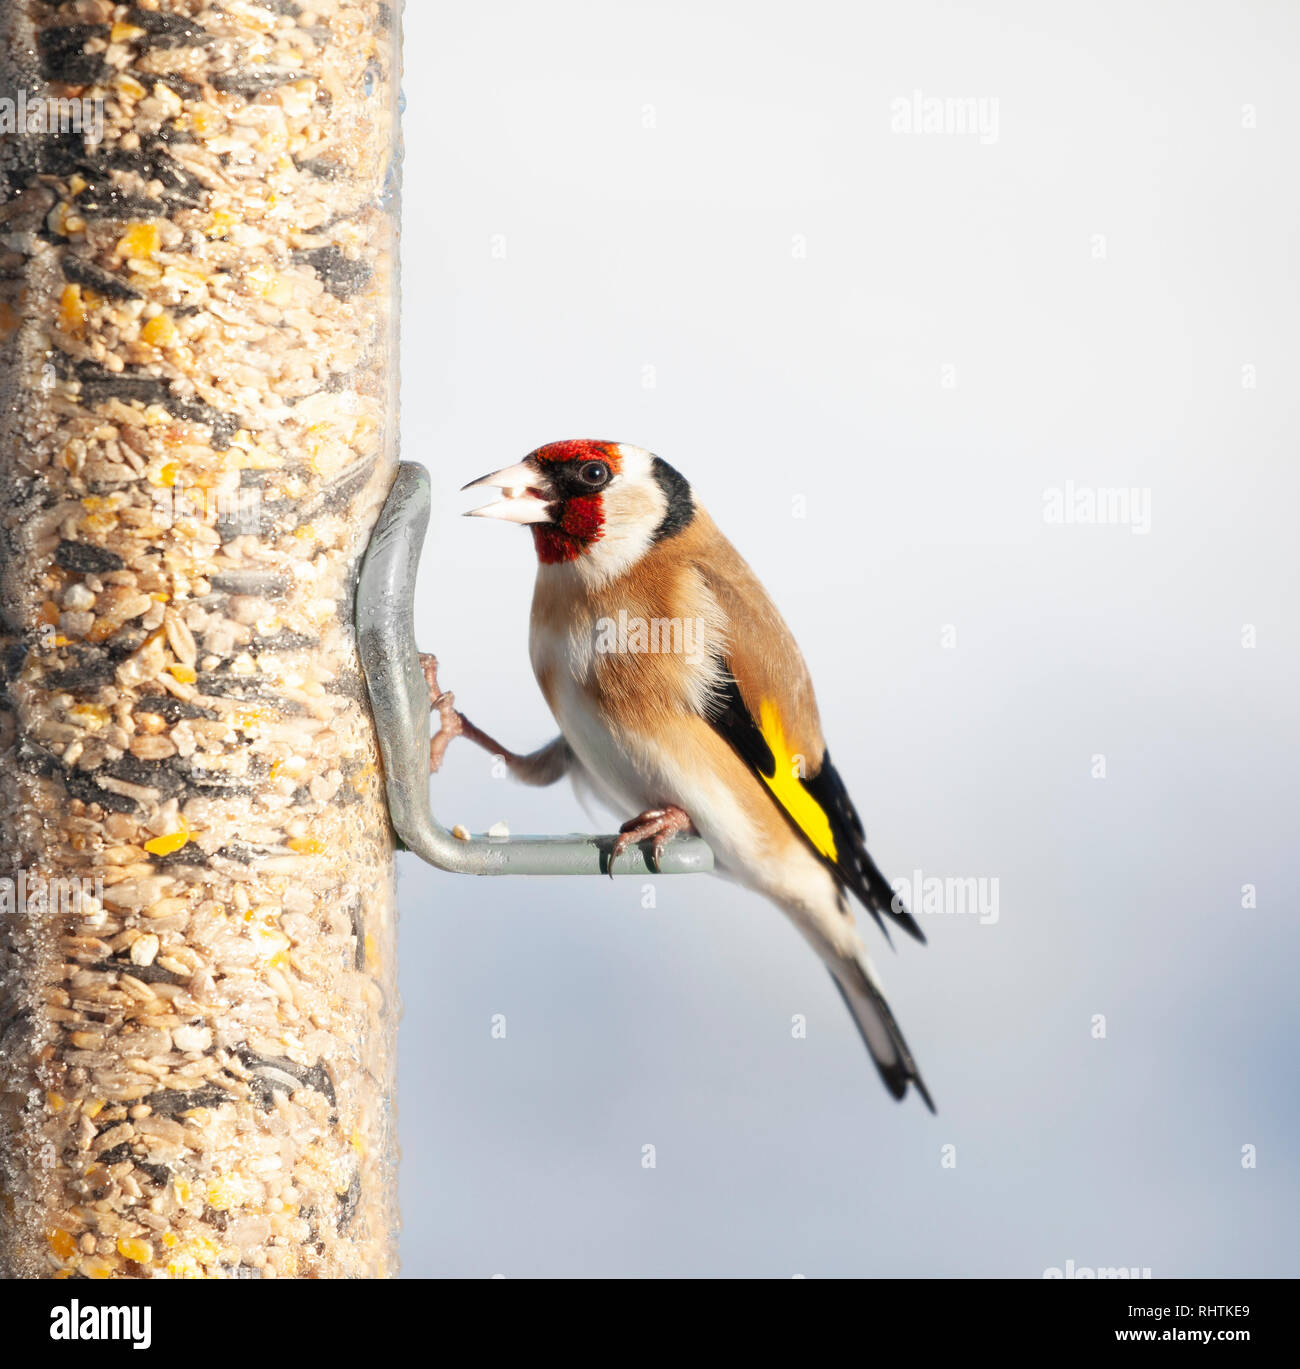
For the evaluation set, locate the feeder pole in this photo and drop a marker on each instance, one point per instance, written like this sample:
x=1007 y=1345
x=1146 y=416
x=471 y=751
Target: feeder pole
x=198 y=376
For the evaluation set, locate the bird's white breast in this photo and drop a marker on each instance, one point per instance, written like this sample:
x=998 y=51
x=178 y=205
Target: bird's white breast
x=630 y=770
x=563 y=660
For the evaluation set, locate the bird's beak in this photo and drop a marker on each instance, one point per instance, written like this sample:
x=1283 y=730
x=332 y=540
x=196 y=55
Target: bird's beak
x=526 y=495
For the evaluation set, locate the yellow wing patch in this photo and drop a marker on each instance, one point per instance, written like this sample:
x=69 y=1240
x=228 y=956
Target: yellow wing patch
x=786 y=784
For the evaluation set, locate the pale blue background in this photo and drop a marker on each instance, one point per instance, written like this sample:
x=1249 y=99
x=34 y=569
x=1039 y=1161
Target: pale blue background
x=777 y=376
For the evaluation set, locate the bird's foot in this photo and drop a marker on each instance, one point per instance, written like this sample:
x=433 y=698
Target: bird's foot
x=661 y=824
x=450 y=723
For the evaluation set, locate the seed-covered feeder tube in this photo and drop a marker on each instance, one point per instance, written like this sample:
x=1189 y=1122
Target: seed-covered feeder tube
x=197 y=432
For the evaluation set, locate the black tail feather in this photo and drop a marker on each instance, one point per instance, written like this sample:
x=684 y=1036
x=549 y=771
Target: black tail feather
x=896 y=1073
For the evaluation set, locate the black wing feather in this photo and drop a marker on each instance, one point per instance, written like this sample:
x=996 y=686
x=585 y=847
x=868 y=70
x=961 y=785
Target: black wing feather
x=853 y=864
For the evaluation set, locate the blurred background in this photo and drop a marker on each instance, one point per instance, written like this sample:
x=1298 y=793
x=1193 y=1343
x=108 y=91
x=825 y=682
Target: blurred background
x=898 y=288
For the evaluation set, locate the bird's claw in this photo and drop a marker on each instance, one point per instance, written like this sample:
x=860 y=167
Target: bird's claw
x=659 y=824
x=450 y=723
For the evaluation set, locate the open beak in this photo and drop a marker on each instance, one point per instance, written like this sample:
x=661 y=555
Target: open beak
x=526 y=495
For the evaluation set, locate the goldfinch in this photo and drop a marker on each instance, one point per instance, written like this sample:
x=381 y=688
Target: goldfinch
x=681 y=696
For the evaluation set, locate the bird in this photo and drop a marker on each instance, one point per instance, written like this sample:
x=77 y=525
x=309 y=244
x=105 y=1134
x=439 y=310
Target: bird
x=682 y=697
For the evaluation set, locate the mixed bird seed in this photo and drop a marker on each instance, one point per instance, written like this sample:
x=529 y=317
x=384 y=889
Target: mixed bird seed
x=197 y=410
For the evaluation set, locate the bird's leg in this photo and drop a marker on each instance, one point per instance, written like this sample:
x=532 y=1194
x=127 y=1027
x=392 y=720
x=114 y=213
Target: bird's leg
x=660 y=823
x=540 y=767
x=450 y=724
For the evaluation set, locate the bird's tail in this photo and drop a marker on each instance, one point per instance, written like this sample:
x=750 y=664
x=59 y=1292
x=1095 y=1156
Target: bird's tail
x=863 y=997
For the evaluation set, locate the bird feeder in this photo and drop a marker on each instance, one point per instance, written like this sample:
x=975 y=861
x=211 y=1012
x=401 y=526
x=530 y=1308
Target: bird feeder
x=198 y=431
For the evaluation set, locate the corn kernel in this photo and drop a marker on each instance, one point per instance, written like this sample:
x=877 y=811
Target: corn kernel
x=133 y=1248
x=72 y=313
x=61 y=1242
x=140 y=241
x=160 y=331
x=165 y=845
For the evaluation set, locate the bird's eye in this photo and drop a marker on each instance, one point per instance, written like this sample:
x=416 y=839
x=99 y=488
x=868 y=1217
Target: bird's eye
x=594 y=473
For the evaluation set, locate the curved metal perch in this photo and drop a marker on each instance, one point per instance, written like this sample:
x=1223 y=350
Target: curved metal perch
x=399 y=698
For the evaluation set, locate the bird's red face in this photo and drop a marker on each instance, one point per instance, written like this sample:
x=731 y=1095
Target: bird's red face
x=558 y=490
x=597 y=505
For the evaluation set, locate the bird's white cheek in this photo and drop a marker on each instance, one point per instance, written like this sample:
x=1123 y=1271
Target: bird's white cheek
x=632 y=513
